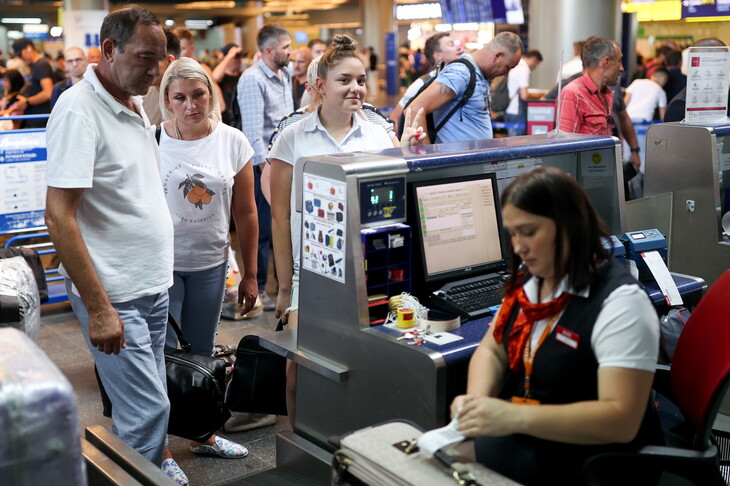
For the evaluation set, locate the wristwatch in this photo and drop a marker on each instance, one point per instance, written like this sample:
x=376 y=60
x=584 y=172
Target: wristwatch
x=635 y=150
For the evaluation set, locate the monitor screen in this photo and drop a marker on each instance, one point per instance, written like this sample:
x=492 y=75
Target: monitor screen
x=459 y=226
x=497 y=11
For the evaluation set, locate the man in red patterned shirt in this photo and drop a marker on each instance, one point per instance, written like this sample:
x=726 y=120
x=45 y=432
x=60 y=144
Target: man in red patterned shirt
x=586 y=102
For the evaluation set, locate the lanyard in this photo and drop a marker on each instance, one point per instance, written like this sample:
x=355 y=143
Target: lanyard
x=528 y=358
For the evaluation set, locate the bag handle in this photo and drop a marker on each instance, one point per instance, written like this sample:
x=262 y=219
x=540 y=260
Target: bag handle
x=459 y=472
x=183 y=342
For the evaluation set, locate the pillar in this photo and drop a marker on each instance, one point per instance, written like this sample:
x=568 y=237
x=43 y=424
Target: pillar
x=556 y=24
x=250 y=28
x=378 y=19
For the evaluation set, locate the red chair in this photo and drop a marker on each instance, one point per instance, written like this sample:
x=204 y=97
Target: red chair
x=698 y=379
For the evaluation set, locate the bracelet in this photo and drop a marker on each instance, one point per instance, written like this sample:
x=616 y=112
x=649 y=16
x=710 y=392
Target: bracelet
x=635 y=150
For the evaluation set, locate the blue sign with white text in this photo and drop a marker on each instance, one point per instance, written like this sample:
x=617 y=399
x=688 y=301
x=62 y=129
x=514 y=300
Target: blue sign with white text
x=23 y=168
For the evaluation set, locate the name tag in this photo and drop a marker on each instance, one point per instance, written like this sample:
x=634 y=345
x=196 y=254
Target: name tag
x=567 y=337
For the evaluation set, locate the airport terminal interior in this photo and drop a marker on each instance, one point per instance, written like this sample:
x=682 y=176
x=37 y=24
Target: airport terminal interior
x=403 y=251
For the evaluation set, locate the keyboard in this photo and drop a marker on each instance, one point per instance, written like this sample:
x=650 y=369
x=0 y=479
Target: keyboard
x=470 y=298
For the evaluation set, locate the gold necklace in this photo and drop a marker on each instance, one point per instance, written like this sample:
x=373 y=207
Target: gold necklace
x=179 y=135
x=119 y=101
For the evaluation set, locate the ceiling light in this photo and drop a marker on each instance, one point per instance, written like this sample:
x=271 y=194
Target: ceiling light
x=20 y=20
x=466 y=26
x=36 y=29
x=198 y=24
x=56 y=31
x=205 y=5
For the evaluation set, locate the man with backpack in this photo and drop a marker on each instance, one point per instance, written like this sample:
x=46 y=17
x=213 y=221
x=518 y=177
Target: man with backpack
x=440 y=49
x=457 y=101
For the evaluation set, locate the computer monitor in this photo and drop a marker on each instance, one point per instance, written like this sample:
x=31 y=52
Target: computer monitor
x=458 y=227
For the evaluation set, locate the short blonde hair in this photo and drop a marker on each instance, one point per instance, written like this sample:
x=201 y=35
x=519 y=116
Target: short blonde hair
x=186 y=68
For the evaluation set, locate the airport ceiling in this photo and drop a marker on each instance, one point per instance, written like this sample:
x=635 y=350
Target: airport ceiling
x=220 y=11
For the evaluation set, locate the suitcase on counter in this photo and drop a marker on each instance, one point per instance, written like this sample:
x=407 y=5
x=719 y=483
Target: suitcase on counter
x=41 y=442
x=380 y=456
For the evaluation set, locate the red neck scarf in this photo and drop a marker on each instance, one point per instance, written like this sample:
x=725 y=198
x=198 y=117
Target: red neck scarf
x=529 y=314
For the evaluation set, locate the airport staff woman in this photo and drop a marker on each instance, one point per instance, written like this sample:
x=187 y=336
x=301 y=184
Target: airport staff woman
x=566 y=368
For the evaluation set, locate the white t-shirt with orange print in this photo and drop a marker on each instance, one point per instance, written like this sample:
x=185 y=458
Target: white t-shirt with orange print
x=197 y=179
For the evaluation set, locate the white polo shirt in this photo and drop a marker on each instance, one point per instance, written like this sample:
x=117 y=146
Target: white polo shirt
x=646 y=96
x=308 y=137
x=97 y=144
x=518 y=77
x=626 y=331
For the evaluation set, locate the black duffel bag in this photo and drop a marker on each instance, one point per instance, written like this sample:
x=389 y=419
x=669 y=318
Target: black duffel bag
x=196 y=389
x=196 y=386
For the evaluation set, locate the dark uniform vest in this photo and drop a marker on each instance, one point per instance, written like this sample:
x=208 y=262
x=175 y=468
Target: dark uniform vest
x=562 y=375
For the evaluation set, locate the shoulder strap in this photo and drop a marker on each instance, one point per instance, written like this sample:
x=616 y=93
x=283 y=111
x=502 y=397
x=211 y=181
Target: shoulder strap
x=462 y=101
x=183 y=343
x=290 y=118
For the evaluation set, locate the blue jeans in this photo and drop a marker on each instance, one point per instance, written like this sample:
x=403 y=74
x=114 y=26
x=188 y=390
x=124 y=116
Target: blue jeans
x=196 y=300
x=264 y=213
x=135 y=378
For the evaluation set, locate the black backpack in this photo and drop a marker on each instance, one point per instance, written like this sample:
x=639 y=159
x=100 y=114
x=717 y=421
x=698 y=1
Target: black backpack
x=433 y=130
x=499 y=94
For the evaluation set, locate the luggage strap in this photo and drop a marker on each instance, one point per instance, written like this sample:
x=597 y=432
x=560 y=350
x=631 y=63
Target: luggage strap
x=462 y=476
x=459 y=471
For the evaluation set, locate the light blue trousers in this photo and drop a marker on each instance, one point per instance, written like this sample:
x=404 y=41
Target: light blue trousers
x=135 y=378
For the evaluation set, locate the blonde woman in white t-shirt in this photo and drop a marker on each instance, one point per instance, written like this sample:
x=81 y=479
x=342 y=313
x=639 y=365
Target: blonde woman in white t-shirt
x=336 y=126
x=207 y=175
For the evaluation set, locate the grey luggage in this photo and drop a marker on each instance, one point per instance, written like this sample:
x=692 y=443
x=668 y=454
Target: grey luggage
x=20 y=303
x=381 y=456
x=41 y=441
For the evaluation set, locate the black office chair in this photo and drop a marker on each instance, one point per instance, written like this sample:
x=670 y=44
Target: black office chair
x=696 y=382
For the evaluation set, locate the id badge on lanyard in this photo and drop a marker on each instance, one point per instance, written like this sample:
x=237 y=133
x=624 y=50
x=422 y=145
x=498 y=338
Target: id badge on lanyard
x=528 y=358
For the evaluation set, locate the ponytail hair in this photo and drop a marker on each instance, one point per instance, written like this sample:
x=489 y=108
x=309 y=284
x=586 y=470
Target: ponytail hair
x=342 y=47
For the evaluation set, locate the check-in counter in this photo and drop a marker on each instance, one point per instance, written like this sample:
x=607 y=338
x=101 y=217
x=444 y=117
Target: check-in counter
x=351 y=374
x=687 y=196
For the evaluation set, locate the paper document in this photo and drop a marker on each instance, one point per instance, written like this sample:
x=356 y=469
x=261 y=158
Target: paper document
x=436 y=439
x=662 y=276
x=441 y=338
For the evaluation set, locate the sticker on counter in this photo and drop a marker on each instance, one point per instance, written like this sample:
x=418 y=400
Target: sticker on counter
x=506 y=172
x=323 y=227
x=596 y=164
